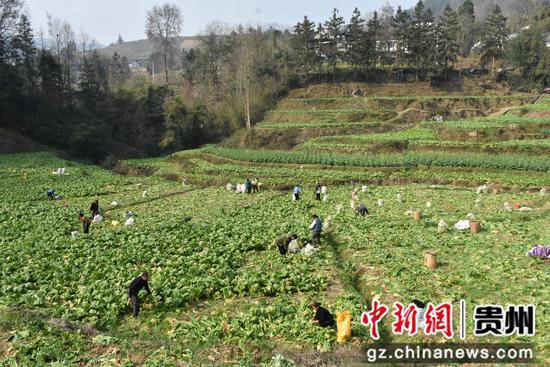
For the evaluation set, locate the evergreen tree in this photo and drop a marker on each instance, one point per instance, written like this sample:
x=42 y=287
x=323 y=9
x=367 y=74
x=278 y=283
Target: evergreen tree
x=356 y=41
x=333 y=28
x=119 y=72
x=447 y=47
x=421 y=38
x=372 y=41
x=304 y=45
x=494 y=35
x=24 y=52
x=385 y=48
x=94 y=82
x=466 y=20
x=402 y=30
x=320 y=47
x=528 y=51
x=51 y=75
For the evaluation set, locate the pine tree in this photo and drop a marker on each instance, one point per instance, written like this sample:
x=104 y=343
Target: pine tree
x=372 y=40
x=304 y=45
x=466 y=20
x=447 y=47
x=385 y=48
x=421 y=38
x=494 y=35
x=320 y=48
x=24 y=52
x=356 y=41
x=51 y=75
x=402 y=30
x=334 y=36
x=119 y=72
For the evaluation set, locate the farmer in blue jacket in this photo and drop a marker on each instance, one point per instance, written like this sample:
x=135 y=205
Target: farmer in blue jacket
x=297 y=191
x=316 y=228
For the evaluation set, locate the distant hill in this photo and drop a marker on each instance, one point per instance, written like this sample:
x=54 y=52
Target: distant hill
x=142 y=49
x=516 y=10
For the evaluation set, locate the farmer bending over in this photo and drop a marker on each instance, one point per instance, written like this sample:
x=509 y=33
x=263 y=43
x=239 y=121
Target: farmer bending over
x=316 y=228
x=248 y=186
x=322 y=316
x=133 y=291
x=52 y=194
x=283 y=243
x=362 y=210
x=94 y=208
x=255 y=185
x=85 y=223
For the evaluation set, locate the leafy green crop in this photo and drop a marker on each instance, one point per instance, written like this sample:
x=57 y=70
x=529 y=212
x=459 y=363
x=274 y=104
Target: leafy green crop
x=511 y=162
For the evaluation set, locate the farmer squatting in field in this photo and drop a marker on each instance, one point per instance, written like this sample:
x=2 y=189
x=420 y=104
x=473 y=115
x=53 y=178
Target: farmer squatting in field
x=322 y=316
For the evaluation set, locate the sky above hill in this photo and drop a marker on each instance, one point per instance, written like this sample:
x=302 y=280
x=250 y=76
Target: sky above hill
x=105 y=19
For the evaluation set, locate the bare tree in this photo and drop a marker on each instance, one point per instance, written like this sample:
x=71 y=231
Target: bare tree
x=163 y=25
x=65 y=44
x=84 y=43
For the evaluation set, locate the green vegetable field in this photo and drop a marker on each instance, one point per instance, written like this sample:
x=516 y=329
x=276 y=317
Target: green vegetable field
x=222 y=295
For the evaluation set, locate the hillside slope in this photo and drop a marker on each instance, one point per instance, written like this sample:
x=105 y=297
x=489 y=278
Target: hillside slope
x=510 y=8
x=361 y=108
x=142 y=49
x=14 y=142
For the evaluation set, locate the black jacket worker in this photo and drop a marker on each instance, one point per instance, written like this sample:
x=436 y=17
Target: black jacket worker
x=362 y=210
x=322 y=316
x=138 y=284
x=86 y=222
x=94 y=208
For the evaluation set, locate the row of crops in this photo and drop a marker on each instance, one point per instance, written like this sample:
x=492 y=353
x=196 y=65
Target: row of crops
x=486 y=123
x=205 y=169
x=315 y=125
x=415 y=138
x=487 y=161
x=418 y=98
